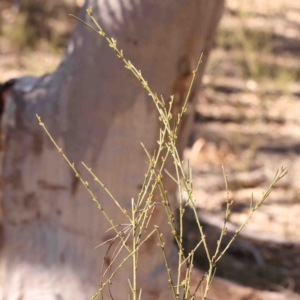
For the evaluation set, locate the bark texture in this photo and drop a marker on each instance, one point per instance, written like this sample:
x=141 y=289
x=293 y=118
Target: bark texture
x=99 y=114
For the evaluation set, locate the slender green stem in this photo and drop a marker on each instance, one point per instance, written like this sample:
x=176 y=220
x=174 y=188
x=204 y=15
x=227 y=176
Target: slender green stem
x=106 y=190
x=85 y=183
x=162 y=246
x=134 y=247
x=227 y=213
x=279 y=175
x=120 y=265
x=144 y=207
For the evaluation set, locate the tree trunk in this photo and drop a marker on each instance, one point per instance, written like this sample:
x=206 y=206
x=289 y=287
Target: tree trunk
x=98 y=113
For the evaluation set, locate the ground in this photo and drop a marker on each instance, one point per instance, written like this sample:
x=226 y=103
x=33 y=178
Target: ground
x=247 y=118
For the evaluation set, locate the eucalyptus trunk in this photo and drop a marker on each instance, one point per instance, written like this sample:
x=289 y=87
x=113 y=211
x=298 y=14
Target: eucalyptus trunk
x=98 y=113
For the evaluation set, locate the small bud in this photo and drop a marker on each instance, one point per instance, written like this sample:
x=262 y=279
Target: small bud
x=90 y=12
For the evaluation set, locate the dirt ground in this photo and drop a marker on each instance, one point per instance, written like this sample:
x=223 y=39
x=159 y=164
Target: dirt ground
x=248 y=119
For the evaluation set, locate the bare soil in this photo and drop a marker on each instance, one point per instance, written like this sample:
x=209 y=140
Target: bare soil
x=250 y=123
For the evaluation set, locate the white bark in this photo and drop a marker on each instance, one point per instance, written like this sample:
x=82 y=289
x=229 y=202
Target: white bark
x=99 y=114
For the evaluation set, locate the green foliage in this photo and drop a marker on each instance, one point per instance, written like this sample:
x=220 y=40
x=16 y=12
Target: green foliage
x=143 y=208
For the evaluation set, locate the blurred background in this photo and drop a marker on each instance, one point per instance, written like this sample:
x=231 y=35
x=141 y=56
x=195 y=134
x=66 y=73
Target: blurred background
x=247 y=118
